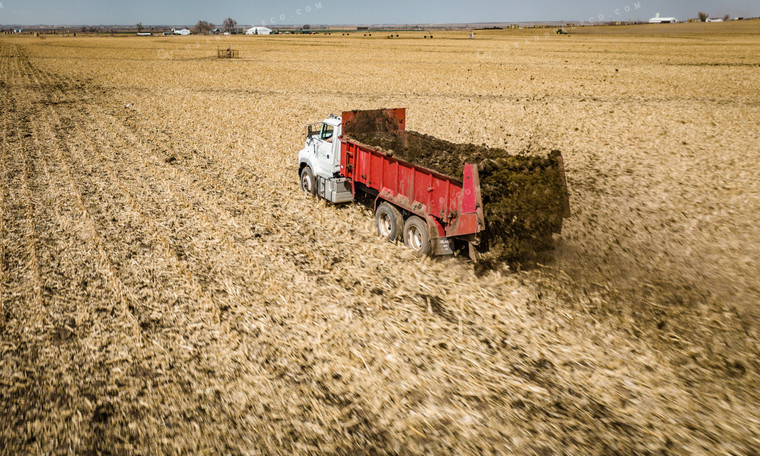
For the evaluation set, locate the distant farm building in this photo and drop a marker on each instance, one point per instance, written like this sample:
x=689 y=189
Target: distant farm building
x=181 y=31
x=258 y=31
x=662 y=20
x=714 y=19
x=18 y=30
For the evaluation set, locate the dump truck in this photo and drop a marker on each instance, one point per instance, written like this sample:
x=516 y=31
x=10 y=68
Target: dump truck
x=432 y=211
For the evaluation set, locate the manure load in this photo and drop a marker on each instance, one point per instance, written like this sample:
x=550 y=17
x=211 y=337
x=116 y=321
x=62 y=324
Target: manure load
x=496 y=205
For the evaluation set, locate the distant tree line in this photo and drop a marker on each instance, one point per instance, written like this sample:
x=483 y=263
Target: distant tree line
x=205 y=27
x=704 y=16
x=230 y=25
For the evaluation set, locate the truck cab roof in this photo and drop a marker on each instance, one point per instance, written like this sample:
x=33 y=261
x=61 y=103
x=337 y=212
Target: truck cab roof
x=334 y=121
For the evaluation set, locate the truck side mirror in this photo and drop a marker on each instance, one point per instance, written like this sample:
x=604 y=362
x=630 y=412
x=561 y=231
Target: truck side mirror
x=309 y=138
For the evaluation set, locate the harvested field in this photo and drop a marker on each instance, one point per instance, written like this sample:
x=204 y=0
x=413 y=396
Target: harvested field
x=166 y=287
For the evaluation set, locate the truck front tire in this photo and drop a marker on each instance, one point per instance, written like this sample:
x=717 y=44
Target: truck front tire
x=388 y=221
x=416 y=235
x=308 y=183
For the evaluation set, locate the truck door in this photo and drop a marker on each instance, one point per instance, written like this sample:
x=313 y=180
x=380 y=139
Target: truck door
x=323 y=148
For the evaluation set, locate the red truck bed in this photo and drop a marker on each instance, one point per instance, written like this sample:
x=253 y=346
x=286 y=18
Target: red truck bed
x=450 y=206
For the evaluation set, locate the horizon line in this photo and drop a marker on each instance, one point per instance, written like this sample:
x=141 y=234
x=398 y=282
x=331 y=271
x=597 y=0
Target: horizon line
x=353 y=24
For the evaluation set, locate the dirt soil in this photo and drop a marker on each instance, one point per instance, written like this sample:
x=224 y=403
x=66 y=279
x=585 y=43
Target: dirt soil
x=523 y=195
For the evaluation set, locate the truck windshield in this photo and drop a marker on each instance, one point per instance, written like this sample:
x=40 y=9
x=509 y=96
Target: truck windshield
x=327 y=131
x=313 y=130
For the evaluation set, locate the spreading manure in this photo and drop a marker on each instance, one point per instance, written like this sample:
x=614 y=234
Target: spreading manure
x=524 y=196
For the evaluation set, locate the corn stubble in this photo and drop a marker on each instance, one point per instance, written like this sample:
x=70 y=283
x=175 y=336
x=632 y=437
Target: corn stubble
x=167 y=289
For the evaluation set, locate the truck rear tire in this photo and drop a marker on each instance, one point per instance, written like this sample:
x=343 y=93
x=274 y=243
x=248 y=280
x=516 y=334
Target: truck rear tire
x=308 y=183
x=416 y=235
x=388 y=221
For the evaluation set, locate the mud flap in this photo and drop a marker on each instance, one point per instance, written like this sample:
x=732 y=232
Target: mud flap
x=441 y=246
x=472 y=252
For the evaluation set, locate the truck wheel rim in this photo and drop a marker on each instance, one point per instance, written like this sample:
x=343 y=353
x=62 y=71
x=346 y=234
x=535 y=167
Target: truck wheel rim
x=385 y=225
x=415 y=238
x=306 y=183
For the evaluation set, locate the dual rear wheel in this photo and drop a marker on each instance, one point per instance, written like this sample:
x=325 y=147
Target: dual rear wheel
x=389 y=222
x=391 y=226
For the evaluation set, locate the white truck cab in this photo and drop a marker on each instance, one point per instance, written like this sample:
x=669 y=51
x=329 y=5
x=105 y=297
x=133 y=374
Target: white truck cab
x=319 y=162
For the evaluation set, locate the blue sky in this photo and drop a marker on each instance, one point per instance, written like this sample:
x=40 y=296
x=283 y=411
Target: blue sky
x=272 y=12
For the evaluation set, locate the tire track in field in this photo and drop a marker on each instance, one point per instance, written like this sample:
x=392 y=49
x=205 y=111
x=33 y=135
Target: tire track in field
x=78 y=142
x=5 y=59
x=195 y=328
x=93 y=237
x=21 y=256
x=94 y=194
x=113 y=381
x=77 y=297
x=29 y=398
